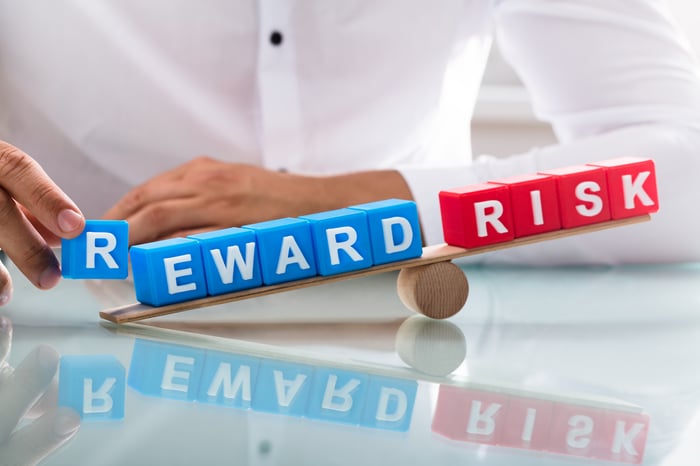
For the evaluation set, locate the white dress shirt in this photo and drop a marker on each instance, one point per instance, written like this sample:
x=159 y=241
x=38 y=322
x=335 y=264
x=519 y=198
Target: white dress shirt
x=106 y=94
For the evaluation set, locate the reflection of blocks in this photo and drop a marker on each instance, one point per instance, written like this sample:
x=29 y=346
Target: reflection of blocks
x=389 y=403
x=168 y=271
x=631 y=186
x=575 y=430
x=282 y=388
x=93 y=385
x=337 y=396
x=286 y=250
x=583 y=195
x=527 y=423
x=100 y=251
x=394 y=230
x=471 y=415
x=230 y=260
x=341 y=241
x=477 y=215
x=164 y=370
x=228 y=379
x=535 y=204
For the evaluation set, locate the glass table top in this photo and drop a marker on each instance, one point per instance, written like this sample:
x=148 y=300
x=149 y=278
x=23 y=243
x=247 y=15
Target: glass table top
x=548 y=366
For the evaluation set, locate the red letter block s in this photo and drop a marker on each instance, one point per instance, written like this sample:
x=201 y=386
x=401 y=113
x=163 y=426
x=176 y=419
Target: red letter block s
x=476 y=215
x=631 y=186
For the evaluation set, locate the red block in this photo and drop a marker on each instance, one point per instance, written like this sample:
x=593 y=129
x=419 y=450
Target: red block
x=527 y=423
x=469 y=415
x=583 y=195
x=624 y=437
x=535 y=203
x=577 y=430
x=476 y=215
x=631 y=186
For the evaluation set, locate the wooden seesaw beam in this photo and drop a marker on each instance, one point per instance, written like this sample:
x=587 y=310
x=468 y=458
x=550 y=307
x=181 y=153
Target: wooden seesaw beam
x=429 y=284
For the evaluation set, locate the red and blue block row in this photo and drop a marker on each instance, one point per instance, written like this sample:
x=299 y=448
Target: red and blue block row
x=233 y=259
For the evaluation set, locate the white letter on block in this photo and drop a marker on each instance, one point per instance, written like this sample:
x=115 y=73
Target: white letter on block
x=488 y=425
x=290 y=253
x=93 y=250
x=222 y=378
x=169 y=373
x=334 y=245
x=578 y=437
x=624 y=439
x=536 y=199
x=102 y=394
x=482 y=218
x=584 y=192
x=529 y=425
x=401 y=404
x=287 y=389
x=171 y=275
x=233 y=257
x=345 y=402
x=635 y=188
x=390 y=245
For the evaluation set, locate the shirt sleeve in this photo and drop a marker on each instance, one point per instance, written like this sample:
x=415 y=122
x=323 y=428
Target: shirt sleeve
x=614 y=78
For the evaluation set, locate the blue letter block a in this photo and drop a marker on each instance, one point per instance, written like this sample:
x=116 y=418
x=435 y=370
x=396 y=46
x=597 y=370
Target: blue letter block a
x=100 y=251
x=168 y=271
x=394 y=230
x=230 y=260
x=341 y=241
x=286 y=250
x=93 y=385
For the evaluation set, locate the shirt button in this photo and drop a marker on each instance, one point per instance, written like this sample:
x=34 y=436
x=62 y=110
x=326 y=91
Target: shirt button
x=276 y=38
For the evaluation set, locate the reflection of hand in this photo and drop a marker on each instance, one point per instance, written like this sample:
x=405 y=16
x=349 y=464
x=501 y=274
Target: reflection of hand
x=26 y=392
x=207 y=194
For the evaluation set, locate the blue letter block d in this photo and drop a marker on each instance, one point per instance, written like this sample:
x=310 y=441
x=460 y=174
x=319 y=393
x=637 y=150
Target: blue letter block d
x=168 y=271
x=394 y=229
x=100 y=251
x=165 y=370
x=93 y=385
x=228 y=380
x=282 y=388
x=230 y=260
x=337 y=396
x=341 y=241
x=389 y=403
x=286 y=250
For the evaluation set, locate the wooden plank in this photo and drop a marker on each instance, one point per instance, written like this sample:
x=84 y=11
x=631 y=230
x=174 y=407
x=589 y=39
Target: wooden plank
x=431 y=255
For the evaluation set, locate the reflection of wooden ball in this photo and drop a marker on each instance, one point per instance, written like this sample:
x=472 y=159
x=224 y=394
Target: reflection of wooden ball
x=436 y=290
x=434 y=347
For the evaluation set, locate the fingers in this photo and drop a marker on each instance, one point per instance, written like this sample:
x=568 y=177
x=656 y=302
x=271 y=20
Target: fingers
x=160 y=220
x=31 y=444
x=26 y=181
x=28 y=382
x=25 y=246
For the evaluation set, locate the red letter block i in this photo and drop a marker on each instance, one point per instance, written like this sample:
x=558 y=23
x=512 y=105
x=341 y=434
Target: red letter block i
x=476 y=215
x=535 y=203
x=583 y=195
x=631 y=186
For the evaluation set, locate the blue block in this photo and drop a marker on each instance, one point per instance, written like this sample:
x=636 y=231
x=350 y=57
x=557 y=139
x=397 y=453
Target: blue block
x=282 y=388
x=341 y=241
x=168 y=271
x=394 y=229
x=93 y=385
x=337 y=396
x=231 y=260
x=165 y=370
x=100 y=251
x=228 y=380
x=286 y=250
x=389 y=403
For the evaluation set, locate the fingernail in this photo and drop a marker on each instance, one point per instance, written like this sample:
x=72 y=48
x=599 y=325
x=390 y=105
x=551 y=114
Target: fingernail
x=49 y=277
x=69 y=220
x=47 y=357
x=66 y=422
x=5 y=297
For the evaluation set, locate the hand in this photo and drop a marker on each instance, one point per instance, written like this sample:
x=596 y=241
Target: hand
x=207 y=194
x=26 y=392
x=34 y=214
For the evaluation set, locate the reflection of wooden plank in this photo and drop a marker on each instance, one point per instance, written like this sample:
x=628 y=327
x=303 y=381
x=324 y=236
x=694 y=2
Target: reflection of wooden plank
x=431 y=255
